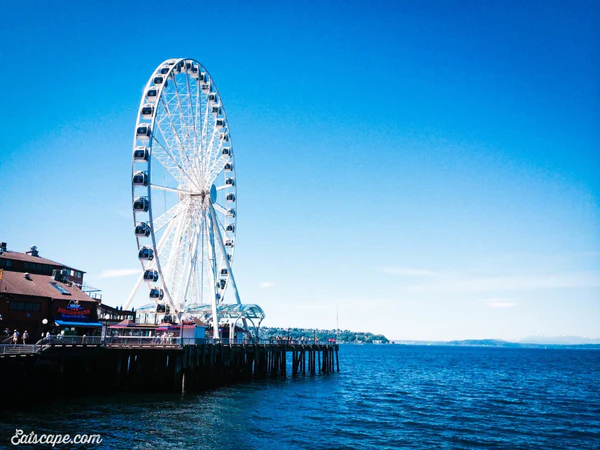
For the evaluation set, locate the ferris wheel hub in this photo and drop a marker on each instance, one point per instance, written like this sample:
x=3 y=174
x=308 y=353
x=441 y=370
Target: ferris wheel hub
x=202 y=198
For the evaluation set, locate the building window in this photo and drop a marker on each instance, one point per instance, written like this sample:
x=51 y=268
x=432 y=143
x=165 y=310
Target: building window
x=14 y=305
x=60 y=289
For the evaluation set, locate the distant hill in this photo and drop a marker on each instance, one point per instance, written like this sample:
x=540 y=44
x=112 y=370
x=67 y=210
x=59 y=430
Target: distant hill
x=364 y=337
x=483 y=342
x=560 y=340
x=343 y=336
x=589 y=343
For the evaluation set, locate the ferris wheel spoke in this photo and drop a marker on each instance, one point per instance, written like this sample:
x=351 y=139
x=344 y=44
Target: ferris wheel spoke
x=216 y=152
x=181 y=289
x=193 y=115
x=197 y=118
x=220 y=209
x=163 y=240
x=199 y=153
x=185 y=107
x=206 y=144
x=177 y=171
x=172 y=137
x=217 y=168
x=181 y=141
x=167 y=217
x=165 y=156
x=173 y=269
x=193 y=262
x=175 y=226
x=168 y=189
x=223 y=228
x=221 y=224
x=185 y=118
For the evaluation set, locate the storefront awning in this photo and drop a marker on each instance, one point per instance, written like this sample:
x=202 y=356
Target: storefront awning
x=66 y=323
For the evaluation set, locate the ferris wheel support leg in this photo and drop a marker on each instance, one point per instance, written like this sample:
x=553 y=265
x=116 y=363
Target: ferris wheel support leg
x=179 y=226
x=134 y=291
x=220 y=240
x=192 y=269
x=213 y=262
x=202 y=237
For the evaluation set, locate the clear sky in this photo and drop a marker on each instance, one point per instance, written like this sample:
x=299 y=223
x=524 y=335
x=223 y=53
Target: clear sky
x=429 y=168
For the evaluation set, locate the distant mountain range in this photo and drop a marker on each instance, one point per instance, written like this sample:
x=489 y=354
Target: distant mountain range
x=529 y=342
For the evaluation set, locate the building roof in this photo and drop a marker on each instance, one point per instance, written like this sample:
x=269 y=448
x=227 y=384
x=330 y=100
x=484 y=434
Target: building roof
x=18 y=256
x=126 y=323
x=40 y=286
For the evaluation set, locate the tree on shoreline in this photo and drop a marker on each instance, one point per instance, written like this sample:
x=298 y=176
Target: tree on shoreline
x=323 y=335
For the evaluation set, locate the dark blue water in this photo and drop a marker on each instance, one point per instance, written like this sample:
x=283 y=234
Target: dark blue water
x=385 y=397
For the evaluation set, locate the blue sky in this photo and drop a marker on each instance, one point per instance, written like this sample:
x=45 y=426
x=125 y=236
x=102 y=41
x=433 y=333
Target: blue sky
x=430 y=169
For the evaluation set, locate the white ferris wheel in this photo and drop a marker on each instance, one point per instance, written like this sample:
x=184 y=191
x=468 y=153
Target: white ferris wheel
x=184 y=195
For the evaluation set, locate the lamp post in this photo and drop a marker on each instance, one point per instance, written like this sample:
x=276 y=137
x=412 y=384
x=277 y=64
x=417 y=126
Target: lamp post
x=106 y=317
x=45 y=323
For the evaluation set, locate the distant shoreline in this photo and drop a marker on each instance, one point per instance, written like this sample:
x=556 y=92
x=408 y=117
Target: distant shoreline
x=496 y=344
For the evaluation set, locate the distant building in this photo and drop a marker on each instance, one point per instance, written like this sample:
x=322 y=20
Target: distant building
x=111 y=316
x=115 y=315
x=40 y=295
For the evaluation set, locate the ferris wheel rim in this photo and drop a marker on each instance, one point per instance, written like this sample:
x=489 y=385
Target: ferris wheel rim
x=174 y=65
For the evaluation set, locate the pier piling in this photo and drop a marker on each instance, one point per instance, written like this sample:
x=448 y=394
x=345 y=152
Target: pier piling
x=60 y=370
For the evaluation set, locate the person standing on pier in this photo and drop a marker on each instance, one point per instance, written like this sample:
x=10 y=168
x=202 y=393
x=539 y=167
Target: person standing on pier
x=15 y=337
x=25 y=337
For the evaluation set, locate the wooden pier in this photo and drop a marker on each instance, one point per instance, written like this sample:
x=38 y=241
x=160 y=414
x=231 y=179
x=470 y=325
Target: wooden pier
x=194 y=367
x=93 y=368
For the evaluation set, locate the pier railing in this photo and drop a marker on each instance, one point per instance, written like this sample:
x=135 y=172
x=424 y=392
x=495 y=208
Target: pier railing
x=170 y=341
x=231 y=342
x=151 y=341
x=17 y=349
x=71 y=340
x=141 y=341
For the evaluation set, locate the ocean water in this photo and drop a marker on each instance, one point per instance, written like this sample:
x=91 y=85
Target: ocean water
x=387 y=396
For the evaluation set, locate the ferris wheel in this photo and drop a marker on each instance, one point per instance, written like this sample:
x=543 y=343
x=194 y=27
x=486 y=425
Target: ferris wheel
x=184 y=195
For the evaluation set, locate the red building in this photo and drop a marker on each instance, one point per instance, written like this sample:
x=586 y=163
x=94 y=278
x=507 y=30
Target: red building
x=40 y=295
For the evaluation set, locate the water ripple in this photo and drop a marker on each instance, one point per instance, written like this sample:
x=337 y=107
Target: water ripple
x=386 y=397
